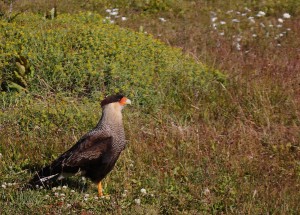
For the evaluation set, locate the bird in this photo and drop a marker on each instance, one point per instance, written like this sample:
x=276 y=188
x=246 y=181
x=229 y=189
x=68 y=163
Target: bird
x=95 y=153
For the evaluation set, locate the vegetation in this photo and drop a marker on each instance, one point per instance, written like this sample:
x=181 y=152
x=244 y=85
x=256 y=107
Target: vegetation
x=199 y=140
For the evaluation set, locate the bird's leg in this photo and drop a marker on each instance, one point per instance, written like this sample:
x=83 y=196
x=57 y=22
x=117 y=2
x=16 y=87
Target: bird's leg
x=100 y=191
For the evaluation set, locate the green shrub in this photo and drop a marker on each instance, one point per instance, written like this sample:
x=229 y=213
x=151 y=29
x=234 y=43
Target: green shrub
x=81 y=55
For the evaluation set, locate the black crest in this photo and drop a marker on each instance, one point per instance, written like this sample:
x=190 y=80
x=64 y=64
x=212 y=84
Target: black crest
x=111 y=99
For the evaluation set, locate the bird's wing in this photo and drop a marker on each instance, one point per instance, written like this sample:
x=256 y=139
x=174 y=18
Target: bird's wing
x=87 y=150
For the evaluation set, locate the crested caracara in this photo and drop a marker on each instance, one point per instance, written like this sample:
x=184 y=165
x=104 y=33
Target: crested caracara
x=95 y=154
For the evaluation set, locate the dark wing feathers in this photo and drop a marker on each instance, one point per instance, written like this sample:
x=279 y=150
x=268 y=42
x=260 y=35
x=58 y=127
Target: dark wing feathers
x=91 y=149
x=88 y=150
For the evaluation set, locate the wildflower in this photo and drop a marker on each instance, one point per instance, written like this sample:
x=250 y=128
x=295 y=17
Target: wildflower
x=281 y=35
x=262 y=25
x=251 y=19
x=9 y=184
x=108 y=10
x=247 y=9
x=271 y=26
x=238 y=47
x=261 y=14
x=62 y=194
x=68 y=205
x=279 y=26
x=37 y=186
x=114 y=13
x=1 y=155
x=47 y=196
x=223 y=23
x=53 y=189
x=286 y=15
x=3 y=186
x=56 y=194
x=96 y=197
x=162 y=19
x=137 y=201
x=222 y=34
x=229 y=11
x=254 y=35
x=244 y=14
x=280 y=20
x=238 y=12
x=288 y=29
x=124 y=18
x=64 y=187
x=72 y=191
x=213 y=19
x=58 y=188
x=278 y=44
x=235 y=20
x=143 y=191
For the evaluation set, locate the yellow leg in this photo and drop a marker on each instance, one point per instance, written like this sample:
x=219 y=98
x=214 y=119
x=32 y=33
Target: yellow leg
x=100 y=191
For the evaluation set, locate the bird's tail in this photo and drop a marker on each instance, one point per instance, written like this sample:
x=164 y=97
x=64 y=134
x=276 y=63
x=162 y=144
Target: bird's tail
x=44 y=177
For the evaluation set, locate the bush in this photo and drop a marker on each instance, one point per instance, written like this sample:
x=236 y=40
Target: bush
x=82 y=55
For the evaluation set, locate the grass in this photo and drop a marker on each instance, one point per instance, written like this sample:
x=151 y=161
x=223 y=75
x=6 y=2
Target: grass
x=236 y=151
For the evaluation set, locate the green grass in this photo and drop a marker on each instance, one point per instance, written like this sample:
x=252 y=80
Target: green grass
x=227 y=145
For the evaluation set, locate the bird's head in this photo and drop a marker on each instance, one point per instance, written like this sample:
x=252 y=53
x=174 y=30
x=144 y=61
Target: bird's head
x=115 y=100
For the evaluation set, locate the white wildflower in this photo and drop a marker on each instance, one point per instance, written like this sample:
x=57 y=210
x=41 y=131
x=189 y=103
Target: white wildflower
x=271 y=26
x=96 y=197
x=215 y=26
x=278 y=44
x=47 y=196
x=162 y=19
x=69 y=205
x=143 y=191
x=86 y=195
x=280 y=20
x=254 y=35
x=281 y=35
x=286 y=15
x=247 y=9
x=244 y=14
x=58 y=188
x=229 y=11
x=288 y=29
x=72 y=191
x=62 y=194
x=213 y=19
x=238 y=47
x=114 y=13
x=124 y=18
x=53 y=189
x=261 y=14
x=221 y=33
x=262 y=25
x=37 y=186
x=3 y=186
x=56 y=194
x=222 y=22
x=137 y=201
x=9 y=184
x=279 y=26
x=64 y=187
x=251 y=19
x=235 y=20
x=108 y=10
